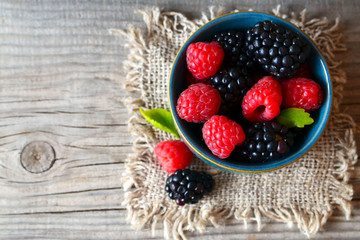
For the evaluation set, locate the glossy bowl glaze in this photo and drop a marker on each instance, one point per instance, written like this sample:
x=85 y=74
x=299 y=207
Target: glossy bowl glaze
x=191 y=132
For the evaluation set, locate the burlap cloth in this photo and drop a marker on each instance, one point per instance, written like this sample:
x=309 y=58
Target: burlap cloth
x=304 y=193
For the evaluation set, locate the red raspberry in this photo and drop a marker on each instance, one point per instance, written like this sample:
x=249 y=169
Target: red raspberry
x=198 y=103
x=302 y=93
x=262 y=102
x=221 y=135
x=173 y=155
x=204 y=59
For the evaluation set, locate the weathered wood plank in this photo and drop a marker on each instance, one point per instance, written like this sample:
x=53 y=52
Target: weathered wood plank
x=111 y=224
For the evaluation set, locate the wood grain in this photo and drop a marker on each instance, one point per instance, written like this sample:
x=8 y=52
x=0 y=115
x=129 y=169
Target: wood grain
x=62 y=83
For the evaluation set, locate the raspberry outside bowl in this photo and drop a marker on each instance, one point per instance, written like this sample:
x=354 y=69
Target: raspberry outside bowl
x=191 y=132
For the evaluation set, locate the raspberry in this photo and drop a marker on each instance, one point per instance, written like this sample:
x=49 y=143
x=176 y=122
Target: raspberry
x=188 y=186
x=173 y=155
x=221 y=135
x=302 y=93
x=204 y=59
x=198 y=103
x=262 y=102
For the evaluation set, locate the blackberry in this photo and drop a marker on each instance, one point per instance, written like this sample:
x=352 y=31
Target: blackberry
x=188 y=186
x=234 y=47
x=278 y=50
x=267 y=141
x=232 y=84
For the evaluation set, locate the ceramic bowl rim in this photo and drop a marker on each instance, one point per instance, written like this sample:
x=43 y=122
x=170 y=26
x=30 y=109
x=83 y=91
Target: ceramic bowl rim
x=247 y=169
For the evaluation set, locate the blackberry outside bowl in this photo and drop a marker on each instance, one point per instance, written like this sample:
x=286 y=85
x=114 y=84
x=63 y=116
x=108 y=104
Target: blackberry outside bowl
x=191 y=132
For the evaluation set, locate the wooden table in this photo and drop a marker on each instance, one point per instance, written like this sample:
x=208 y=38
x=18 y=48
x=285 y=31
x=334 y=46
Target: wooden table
x=61 y=98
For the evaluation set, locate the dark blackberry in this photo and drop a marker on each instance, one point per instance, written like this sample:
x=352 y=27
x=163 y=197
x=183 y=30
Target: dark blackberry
x=267 y=141
x=188 y=186
x=278 y=50
x=232 y=84
x=234 y=47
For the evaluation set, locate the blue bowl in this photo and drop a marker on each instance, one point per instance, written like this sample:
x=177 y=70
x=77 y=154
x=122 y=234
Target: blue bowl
x=191 y=132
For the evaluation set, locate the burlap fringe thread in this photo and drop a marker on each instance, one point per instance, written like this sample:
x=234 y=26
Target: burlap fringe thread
x=195 y=218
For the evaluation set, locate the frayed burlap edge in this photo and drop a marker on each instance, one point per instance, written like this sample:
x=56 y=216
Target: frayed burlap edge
x=195 y=218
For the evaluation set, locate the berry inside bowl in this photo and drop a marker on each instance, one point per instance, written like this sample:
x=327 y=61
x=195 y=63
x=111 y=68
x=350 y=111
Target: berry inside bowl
x=191 y=132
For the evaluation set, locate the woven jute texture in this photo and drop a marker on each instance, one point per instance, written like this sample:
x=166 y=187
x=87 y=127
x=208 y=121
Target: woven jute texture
x=304 y=193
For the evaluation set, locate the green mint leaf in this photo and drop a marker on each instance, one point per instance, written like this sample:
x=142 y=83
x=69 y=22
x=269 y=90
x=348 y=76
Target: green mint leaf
x=161 y=119
x=294 y=117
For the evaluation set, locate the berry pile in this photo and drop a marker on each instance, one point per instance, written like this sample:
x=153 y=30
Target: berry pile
x=183 y=185
x=227 y=92
x=230 y=63
x=188 y=186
